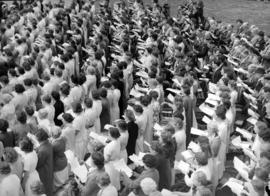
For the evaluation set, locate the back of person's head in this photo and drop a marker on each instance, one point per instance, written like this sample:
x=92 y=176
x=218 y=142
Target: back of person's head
x=130 y=115
x=95 y=94
x=200 y=179
x=148 y=185
x=170 y=129
x=26 y=145
x=10 y=155
x=21 y=117
x=3 y=125
x=149 y=160
x=55 y=95
x=264 y=134
x=98 y=159
x=114 y=132
x=201 y=158
x=122 y=125
x=4 y=80
x=103 y=92
x=19 y=88
x=77 y=107
x=145 y=100
x=103 y=179
x=137 y=108
x=258 y=185
x=47 y=99
x=221 y=112
x=65 y=89
x=41 y=135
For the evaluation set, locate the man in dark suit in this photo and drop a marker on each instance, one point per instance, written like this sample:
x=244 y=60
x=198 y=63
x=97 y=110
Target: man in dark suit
x=45 y=161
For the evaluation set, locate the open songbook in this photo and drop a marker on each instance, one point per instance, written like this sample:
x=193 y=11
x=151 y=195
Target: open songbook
x=120 y=165
x=137 y=159
x=100 y=138
x=236 y=186
x=182 y=166
x=207 y=109
x=241 y=168
x=244 y=133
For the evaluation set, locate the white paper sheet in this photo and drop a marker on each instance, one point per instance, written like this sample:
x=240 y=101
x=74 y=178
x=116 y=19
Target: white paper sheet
x=187 y=155
x=253 y=114
x=183 y=167
x=81 y=172
x=175 y=91
x=194 y=147
x=245 y=133
x=213 y=97
x=252 y=120
x=241 y=167
x=206 y=120
x=211 y=102
x=198 y=132
x=207 y=110
x=236 y=187
x=135 y=93
x=212 y=87
x=171 y=98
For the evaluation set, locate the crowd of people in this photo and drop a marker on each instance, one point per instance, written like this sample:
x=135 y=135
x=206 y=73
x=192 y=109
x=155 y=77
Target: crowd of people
x=101 y=98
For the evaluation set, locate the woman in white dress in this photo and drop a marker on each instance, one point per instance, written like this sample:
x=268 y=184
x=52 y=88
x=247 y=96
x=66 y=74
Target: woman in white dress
x=122 y=126
x=30 y=160
x=179 y=135
x=111 y=154
x=115 y=111
x=97 y=107
x=81 y=134
x=223 y=130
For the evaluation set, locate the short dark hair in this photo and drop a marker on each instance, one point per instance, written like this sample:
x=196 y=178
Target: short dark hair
x=98 y=159
x=47 y=99
x=114 y=132
x=26 y=145
x=19 y=88
x=55 y=95
x=221 y=112
x=138 y=109
x=21 y=117
x=41 y=135
x=149 y=160
x=3 y=125
x=103 y=92
x=29 y=110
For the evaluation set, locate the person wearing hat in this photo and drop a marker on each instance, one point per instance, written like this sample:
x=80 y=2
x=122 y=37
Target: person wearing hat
x=68 y=131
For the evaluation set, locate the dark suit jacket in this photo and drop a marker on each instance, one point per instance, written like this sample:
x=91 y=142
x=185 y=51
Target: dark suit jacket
x=45 y=166
x=59 y=109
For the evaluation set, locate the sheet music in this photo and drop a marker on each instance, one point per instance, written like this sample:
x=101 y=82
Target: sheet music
x=194 y=147
x=100 y=138
x=206 y=120
x=120 y=165
x=245 y=133
x=183 y=167
x=241 y=167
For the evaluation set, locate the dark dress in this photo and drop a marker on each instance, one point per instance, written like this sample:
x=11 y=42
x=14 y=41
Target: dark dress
x=188 y=105
x=45 y=166
x=105 y=117
x=59 y=109
x=164 y=170
x=133 y=134
x=59 y=157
